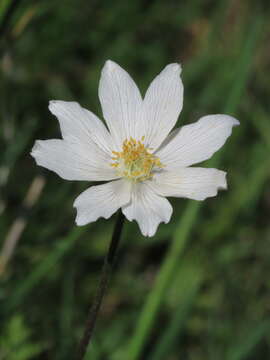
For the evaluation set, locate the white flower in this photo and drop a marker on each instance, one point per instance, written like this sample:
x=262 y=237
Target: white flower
x=138 y=154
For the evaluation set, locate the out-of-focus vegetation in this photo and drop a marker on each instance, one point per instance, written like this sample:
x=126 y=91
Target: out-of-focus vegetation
x=200 y=288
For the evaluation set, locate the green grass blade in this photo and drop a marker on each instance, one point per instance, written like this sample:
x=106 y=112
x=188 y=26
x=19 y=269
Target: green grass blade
x=40 y=271
x=250 y=339
x=155 y=298
x=190 y=280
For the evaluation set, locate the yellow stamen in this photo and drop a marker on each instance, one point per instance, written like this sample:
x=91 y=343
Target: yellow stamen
x=135 y=161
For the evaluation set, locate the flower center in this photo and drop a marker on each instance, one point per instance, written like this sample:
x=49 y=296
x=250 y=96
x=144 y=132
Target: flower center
x=135 y=162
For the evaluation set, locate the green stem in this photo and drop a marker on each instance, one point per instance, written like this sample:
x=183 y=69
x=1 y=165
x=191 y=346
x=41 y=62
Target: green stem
x=103 y=285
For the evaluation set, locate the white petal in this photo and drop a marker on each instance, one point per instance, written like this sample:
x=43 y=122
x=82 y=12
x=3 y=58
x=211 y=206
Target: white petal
x=197 y=142
x=73 y=161
x=80 y=124
x=121 y=102
x=101 y=201
x=192 y=183
x=162 y=104
x=147 y=208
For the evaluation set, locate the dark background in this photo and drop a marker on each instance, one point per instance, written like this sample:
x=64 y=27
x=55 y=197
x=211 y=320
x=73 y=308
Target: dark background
x=200 y=288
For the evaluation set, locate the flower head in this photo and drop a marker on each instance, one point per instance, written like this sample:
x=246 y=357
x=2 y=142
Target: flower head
x=137 y=153
x=135 y=162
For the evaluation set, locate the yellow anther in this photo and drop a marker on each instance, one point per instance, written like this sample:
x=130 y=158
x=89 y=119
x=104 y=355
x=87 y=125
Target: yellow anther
x=135 y=161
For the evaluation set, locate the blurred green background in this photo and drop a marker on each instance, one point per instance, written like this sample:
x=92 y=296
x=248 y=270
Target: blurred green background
x=200 y=288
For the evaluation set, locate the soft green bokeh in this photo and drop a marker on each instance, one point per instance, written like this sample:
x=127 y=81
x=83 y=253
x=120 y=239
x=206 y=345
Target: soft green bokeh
x=199 y=289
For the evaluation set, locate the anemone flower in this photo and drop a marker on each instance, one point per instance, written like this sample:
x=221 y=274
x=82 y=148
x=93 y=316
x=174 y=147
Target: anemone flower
x=138 y=155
